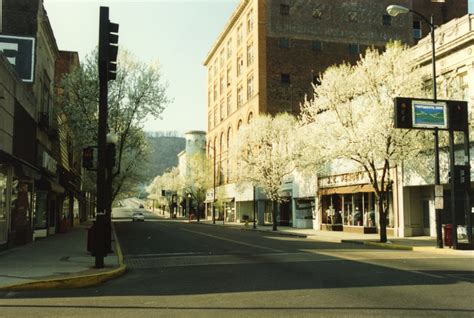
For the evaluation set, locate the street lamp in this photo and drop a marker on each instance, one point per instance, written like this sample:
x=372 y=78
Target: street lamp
x=395 y=10
x=214 y=184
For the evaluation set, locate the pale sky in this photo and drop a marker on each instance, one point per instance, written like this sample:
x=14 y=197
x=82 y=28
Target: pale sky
x=177 y=33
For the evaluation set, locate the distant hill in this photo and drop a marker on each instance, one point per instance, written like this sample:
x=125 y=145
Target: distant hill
x=164 y=148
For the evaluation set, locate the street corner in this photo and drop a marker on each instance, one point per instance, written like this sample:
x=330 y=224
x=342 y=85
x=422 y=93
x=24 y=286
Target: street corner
x=70 y=282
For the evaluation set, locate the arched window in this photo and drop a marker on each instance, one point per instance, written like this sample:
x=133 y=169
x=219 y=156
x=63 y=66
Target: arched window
x=229 y=137
x=249 y=120
x=239 y=125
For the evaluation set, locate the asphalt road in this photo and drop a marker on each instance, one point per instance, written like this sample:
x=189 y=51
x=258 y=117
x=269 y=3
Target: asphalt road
x=180 y=269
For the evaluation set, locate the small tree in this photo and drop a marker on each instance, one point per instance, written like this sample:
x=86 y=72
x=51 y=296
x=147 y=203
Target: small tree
x=137 y=94
x=198 y=178
x=351 y=117
x=265 y=153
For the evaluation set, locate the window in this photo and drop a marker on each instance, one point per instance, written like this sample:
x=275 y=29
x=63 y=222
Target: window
x=250 y=87
x=209 y=97
x=317 y=45
x=221 y=85
x=250 y=21
x=240 y=64
x=222 y=115
x=229 y=104
x=417 y=29
x=215 y=67
x=239 y=124
x=249 y=119
x=239 y=35
x=284 y=9
x=222 y=58
x=209 y=121
x=354 y=48
x=229 y=48
x=285 y=78
x=215 y=116
x=284 y=43
x=210 y=73
x=249 y=54
x=386 y=19
x=240 y=96
x=229 y=75
x=215 y=92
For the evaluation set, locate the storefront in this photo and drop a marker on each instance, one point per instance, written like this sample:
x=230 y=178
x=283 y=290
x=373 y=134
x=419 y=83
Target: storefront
x=5 y=193
x=348 y=203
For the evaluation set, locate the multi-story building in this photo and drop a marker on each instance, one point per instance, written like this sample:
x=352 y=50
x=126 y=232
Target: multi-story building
x=33 y=200
x=271 y=52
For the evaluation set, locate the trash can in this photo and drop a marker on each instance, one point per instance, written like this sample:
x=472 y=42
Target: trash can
x=448 y=235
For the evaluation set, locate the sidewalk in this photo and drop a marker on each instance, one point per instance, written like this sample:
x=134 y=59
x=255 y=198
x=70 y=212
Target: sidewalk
x=419 y=243
x=58 y=261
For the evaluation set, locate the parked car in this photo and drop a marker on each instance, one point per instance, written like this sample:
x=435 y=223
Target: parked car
x=138 y=216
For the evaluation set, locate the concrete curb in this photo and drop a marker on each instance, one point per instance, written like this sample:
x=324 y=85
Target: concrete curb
x=243 y=228
x=79 y=281
x=388 y=246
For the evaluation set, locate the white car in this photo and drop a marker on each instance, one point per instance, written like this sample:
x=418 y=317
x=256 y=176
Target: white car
x=138 y=216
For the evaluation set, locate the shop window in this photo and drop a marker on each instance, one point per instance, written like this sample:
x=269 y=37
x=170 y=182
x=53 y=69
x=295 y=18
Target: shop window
x=41 y=211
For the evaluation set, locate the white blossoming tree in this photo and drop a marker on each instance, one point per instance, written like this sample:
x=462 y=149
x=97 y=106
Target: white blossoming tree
x=168 y=181
x=351 y=117
x=265 y=153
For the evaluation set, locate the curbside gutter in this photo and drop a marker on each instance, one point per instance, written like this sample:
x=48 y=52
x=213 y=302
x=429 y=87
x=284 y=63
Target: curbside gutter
x=79 y=281
x=389 y=246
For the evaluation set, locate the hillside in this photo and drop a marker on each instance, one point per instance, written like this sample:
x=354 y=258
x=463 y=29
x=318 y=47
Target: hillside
x=164 y=148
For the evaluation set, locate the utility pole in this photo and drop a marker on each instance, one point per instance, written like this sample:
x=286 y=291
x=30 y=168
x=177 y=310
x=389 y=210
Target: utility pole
x=108 y=49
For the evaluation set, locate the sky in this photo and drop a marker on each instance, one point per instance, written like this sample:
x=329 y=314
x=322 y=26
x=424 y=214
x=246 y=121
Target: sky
x=178 y=34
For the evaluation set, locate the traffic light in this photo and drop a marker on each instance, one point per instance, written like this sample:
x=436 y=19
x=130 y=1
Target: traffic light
x=89 y=158
x=457 y=115
x=403 y=113
x=108 y=46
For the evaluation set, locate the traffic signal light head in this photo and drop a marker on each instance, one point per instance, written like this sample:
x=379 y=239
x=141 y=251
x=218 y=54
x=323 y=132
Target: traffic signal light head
x=108 y=46
x=458 y=115
x=403 y=113
x=89 y=158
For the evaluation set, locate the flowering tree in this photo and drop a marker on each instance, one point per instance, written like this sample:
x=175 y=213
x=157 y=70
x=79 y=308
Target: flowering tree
x=169 y=181
x=137 y=94
x=351 y=116
x=266 y=153
x=198 y=177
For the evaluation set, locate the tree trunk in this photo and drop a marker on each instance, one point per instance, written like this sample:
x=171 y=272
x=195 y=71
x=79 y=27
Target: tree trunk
x=274 y=215
x=382 y=220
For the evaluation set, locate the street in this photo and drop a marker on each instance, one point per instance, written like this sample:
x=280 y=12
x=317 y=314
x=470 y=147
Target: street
x=177 y=268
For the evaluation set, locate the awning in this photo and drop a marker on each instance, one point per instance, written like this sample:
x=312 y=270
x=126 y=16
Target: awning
x=22 y=168
x=347 y=190
x=48 y=184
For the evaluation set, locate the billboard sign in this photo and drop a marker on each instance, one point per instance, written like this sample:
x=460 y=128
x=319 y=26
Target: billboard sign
x=427 y=114
x=20 y=52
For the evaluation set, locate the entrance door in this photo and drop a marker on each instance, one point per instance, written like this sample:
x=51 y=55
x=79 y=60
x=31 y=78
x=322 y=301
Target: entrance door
x=285 y=213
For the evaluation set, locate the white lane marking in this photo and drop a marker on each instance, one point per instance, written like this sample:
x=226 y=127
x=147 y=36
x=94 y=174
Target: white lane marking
x=234 y=241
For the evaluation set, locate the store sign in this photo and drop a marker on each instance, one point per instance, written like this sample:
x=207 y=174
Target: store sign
x=427 y=114
x=20 y=52
x=344 y=180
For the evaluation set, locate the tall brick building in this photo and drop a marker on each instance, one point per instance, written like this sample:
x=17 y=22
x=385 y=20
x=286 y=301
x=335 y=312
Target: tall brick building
x=271 y=52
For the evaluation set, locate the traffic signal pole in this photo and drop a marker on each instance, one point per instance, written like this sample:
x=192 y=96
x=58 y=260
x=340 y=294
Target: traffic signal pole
x=107 y=68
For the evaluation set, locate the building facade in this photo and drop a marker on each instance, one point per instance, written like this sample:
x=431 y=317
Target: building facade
x=271 y=53
x=34 y=198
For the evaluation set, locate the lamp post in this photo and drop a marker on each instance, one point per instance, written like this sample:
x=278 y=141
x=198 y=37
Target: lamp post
x=213 y=184
x=395 y=10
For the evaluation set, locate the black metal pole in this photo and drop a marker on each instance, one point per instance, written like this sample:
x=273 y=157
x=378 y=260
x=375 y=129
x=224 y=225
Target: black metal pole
x=453 y=193
x=214 y=187
x=254 y=208
x=468 y=208
x=102 y=131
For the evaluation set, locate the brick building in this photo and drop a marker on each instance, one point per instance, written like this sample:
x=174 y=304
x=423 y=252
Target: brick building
x=271 y=52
